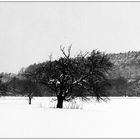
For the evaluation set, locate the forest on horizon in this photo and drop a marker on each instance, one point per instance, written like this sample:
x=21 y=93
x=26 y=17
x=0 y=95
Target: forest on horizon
x=124 y=78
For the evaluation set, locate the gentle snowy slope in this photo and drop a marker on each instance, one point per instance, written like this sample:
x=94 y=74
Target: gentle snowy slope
x=119 y=118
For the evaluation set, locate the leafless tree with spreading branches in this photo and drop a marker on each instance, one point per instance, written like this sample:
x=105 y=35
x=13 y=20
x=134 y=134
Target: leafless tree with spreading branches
x=69 y=77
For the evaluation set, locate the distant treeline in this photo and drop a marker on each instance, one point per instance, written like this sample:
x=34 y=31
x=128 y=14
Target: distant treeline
x=124 y=79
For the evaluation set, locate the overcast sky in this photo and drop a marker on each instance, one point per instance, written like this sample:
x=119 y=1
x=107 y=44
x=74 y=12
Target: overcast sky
x=29 y=32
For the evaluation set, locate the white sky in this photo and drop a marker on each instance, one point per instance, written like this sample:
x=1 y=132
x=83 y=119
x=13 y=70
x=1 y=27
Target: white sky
x=29 y=32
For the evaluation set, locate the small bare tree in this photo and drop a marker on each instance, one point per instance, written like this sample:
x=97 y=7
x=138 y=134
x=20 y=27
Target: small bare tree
x=29 y=89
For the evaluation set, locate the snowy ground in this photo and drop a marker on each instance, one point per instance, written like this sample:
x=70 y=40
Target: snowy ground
x=119 y=118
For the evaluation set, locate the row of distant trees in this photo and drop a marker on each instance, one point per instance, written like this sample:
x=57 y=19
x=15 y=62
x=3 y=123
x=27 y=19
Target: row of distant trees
x=85 y=75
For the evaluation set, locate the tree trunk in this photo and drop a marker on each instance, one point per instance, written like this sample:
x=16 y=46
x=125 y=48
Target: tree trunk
x=30 y=100
x=59 y=101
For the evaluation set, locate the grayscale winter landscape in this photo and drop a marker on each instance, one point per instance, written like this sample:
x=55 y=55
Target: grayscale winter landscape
x=69 y=69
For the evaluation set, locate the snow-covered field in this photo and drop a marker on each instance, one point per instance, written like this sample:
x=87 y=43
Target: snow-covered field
x=118 y=118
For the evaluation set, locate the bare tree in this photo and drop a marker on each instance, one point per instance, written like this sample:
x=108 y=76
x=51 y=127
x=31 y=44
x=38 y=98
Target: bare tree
x=81 y=76
x=29 y=89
